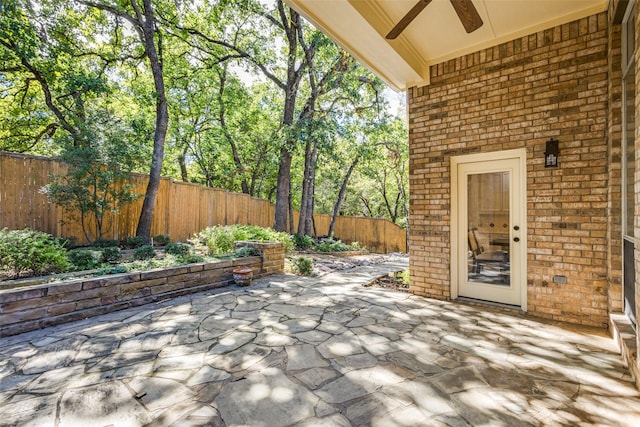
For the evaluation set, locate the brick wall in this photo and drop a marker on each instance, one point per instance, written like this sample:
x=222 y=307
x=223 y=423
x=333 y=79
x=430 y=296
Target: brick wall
x=614 y=130
x=636 y=368
x=34 y=307
x=520 y=94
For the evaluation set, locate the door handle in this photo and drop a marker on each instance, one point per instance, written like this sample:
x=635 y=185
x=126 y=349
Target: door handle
x=516 y=239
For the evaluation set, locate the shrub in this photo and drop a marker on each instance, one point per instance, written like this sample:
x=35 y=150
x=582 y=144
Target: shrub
x=108 y=269
x=31 y=251
x=220 y=239
x=404 y=276
x=94 y=185
x=355 y=246
x=190 y=259
x=303 y=242
x=161 y=240
x=105 y=243
x=177 y=248
x=303 y=266
x=245 y=252
x=111 y=254
x=331 y=246
x=85 y=259
x=144 y=252
x=337 y=246
x=132 y=242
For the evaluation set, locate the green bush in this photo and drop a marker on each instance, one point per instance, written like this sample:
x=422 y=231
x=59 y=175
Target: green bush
x=220 y=239
x=144 y=252
x=132 y=242
x=161 y=240
x=404 y=276
x=85 y=259
x=337 y=246
x=245 y=252
x=190 y=259
x=303 y=266
x=105 y=243
x=331 y=246
x=111 y=254
x=111 y=269
x=177 y=248
x=33 y=252
x=303 y=242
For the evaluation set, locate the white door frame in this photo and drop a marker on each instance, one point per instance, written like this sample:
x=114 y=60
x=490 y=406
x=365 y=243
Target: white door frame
x=519 y=154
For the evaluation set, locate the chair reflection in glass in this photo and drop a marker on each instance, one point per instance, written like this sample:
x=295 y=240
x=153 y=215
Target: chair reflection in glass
x=487 y=265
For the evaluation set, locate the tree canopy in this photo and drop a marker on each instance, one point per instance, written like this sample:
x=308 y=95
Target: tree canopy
x=238 y=94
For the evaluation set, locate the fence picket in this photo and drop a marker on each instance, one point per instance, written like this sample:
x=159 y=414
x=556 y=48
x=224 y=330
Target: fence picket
x=182 y=209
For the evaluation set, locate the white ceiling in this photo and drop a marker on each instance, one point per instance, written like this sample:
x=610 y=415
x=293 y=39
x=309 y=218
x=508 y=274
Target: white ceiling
x=436 y=34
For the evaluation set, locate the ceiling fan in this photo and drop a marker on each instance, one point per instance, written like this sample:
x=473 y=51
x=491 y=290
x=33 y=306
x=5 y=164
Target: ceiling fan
x=464 y=8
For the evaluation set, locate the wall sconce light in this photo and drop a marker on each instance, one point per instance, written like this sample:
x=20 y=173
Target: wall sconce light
x=551 y=154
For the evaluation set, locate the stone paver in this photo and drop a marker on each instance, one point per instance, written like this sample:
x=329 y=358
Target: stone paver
x=293 y=351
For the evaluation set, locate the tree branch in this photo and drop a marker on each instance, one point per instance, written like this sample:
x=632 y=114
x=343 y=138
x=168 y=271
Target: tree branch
x=240 y=53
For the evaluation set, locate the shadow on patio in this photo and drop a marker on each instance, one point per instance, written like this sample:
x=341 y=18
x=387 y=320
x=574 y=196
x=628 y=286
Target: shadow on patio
x=314 y=351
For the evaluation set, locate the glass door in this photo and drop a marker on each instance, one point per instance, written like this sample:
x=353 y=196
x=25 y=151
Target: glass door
x=489 y=245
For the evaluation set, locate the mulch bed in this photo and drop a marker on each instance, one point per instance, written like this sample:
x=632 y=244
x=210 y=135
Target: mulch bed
x=390 y=282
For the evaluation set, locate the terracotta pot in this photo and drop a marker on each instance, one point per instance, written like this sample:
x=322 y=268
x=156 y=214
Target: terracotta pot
x=243 y=275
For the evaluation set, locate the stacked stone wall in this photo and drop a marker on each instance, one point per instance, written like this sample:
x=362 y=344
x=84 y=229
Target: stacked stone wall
x=38 y=306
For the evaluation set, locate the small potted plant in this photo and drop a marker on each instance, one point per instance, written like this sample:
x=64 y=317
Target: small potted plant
x=243 y=275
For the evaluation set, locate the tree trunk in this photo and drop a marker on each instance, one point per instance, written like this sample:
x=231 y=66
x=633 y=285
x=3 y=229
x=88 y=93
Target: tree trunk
x=306 y=186
x=182 y=161
x=291 y=218
x=256 y=176
x=341 y=193
x=222 y=114
x=282 y=191
x=308 y=223
x=162 y=119
x=291 y=25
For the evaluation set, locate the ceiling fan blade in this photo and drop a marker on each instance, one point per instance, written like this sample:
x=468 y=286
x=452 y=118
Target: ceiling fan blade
x=468 y=14
x=406 y=19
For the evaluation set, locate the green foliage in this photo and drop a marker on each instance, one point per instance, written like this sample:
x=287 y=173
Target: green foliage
x=404 y=277
x=111 y=269
x=329 y=245
x=144 y=252
x=132 y=242
x=161 y=240
x=224 y=131
x=355 y=246
x=221 y=239
x=190 y=259
x=303 y=266
x=92 y=190
x=31 y=252
x=379 y=186
x=85 y=259
x=178 y=248
x=111 y=254
x=105 y=243
x=303 y=242
x=245 y=252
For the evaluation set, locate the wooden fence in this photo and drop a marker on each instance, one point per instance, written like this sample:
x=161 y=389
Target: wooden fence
x=182 y=209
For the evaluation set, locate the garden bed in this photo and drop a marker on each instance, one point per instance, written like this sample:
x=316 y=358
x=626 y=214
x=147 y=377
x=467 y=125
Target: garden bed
x=34 y=306
x=396 y=281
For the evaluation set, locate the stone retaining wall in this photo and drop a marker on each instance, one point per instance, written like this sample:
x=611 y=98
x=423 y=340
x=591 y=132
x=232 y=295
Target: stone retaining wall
x=33 y=307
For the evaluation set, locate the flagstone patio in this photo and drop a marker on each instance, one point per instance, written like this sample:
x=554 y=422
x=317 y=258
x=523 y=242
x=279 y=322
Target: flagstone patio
x=321 y=351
